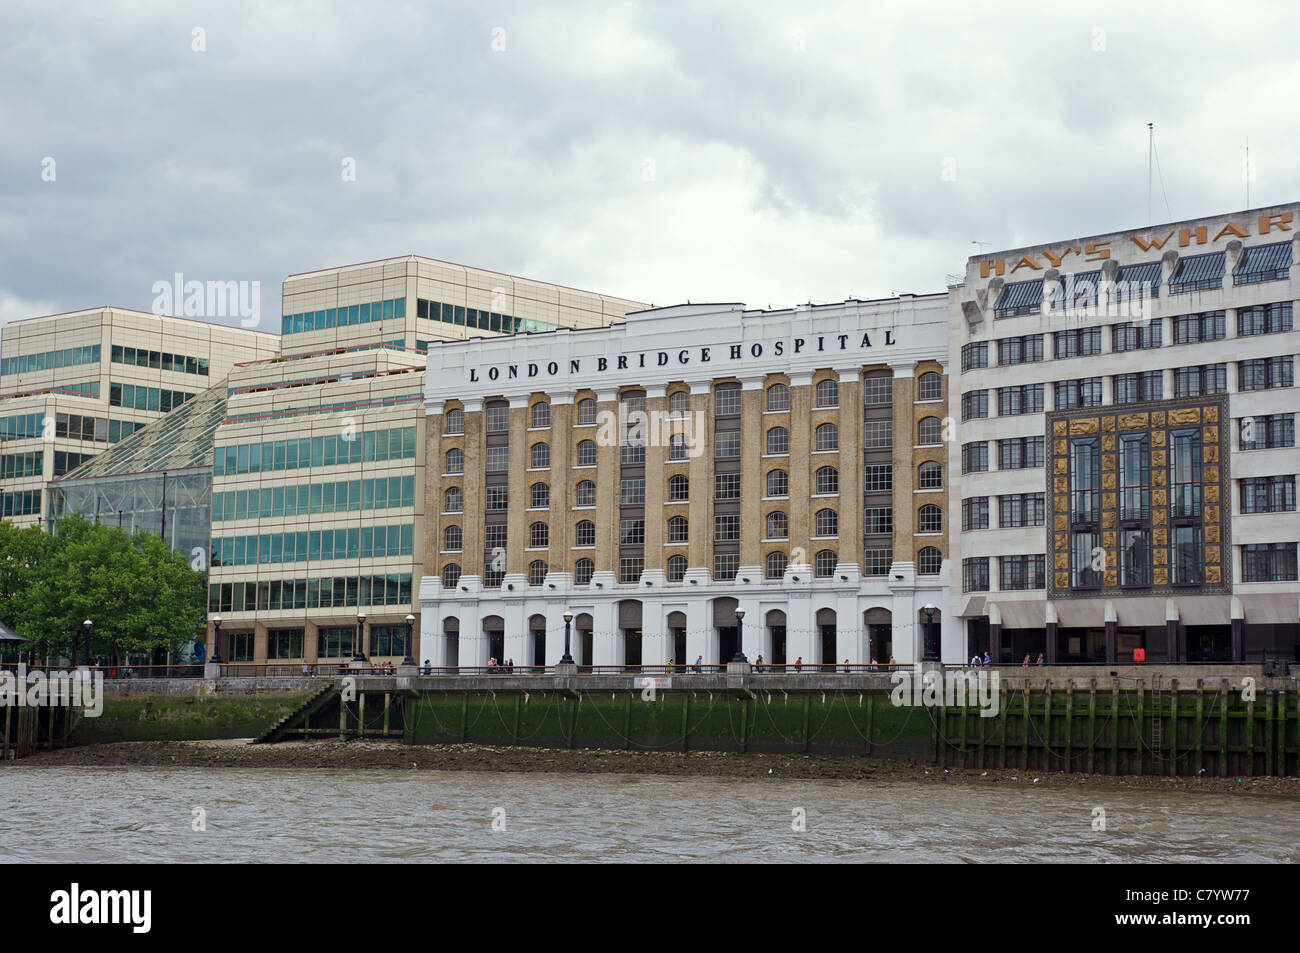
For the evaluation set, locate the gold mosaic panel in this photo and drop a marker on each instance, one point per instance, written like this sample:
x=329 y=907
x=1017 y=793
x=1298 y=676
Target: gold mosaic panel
x=1215 y=532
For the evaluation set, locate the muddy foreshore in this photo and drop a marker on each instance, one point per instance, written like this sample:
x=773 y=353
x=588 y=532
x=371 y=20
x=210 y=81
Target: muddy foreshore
x=394 y=756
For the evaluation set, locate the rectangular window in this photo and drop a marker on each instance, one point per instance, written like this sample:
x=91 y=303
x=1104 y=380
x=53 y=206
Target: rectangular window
x=975 y=457
x=1020 y=350
x=1136 y=335
x=726 y=565
x=1142 y=386
x=1199 y=328
x=878 y=434
x=1266 y=373
x=975 y=355
x=975 y=513
x=1185 y=473
x=726 y=401
x=1268 y=562
x=726 y=528
x=496 y=497
x=1135 y=557
x=498 y=460
x=1269 y=494
x=1019 y=453
x=975 y=574
x=878 y=477
x=876 y=562
x=1085 y=480
x=1201 y=380
x=1077 y=342
x=1264 y=319
x=1021 y=399
x=878 y=391
x=631 y=492
x=1021 y=572
x=1186 y=555
x=878 y=520
x=631 y=532
x=1134 y=478
x=1021 y=509
x=1085 y=392
x=974 y=404
x=726 y=486
x=630 y=568
x=1267 y=431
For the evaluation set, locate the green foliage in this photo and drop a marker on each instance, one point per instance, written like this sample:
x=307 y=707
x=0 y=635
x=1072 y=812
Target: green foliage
x=139 y=594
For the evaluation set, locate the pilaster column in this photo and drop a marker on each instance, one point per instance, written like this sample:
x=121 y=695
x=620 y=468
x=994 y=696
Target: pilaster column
x=700 y=510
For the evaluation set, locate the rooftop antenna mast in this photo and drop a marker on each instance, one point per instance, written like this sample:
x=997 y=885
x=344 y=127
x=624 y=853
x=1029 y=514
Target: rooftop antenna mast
x=1151 y=148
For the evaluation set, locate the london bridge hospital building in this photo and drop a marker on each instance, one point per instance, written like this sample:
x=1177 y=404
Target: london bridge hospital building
x=692 y=477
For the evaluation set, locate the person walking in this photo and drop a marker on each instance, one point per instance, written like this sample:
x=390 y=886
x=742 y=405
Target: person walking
x=798 y=664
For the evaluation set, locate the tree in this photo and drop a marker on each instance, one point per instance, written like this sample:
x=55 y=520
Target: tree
x=139 y=594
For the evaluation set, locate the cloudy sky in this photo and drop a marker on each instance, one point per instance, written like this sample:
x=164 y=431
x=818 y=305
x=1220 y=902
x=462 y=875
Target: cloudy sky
x=753 y=151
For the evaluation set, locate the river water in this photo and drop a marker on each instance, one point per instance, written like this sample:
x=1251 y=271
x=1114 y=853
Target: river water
x=144 y=814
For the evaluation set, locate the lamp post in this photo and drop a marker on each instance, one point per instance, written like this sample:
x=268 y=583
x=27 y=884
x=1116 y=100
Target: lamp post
x=740 y=637
x=410 y=639
x=567 y=659
x=357 y=654
x=86 y=627
x=928 y=613
x=216 y=639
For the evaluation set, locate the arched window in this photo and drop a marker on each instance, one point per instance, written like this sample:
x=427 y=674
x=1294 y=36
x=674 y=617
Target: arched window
x=778 y=525
x=828 y=393
x=541 y=414
x=587 y=453
x=678 y=530
x=584 y=534
x=828 y=480
x=776 y=563
x=539 y=535
x=455 y=421
x=537 y=572
x=676 y=568
x=778 y=397
x=678 y=447
x=451 y=575
x=828 y=523
x=778 y=440
x=778 y=483
x=540 y=496
x=586 y=414
x=929 y=432
x=452 y=500
x=679 y=488
x=455 y=460
x=679 y=403
x=451 y=539
x=930 y=476
x=541 y=456
x=929 y=386
x=824 y=564
x=930 y=519
x=582 y=572
x=828 y=437
x=586 y=495
x=928 y=561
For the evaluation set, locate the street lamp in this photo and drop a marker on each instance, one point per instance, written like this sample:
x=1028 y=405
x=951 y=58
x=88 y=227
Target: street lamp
x=740 y=637
x=410 y=639
x=929 y=613
x=358 y=655
x=87 y=626
x=216 y=639
x=568 y=659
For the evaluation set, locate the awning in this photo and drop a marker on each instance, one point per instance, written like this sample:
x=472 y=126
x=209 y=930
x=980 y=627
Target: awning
x=1019 y=297
x=1198 y=272
x=9 y=635
x=1271 y=607
x=1146 y=274
x=1263 y=263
